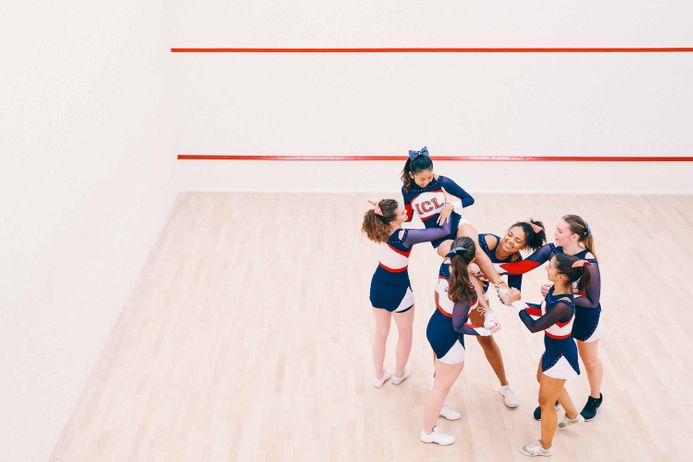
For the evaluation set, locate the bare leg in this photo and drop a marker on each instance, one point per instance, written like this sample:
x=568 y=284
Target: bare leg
x=593 y=365
x=481 y=259
x=444 y=248
x=567 y=404
x=550 y=390
x=494 y=358
x=382 y=329
x=539 y=372
x=446 y=374
x=405 y=323
x=479 y=289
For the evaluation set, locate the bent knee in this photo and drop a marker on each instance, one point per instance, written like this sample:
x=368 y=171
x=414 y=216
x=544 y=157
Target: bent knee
x=546 y=403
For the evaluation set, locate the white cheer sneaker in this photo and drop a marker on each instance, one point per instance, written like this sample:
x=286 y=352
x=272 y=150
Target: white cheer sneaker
x=566 y=422
x=535 y=449
x=436 y=436
x=509 y=396
x=379 y=382
x=397 y=380
x=449 y=413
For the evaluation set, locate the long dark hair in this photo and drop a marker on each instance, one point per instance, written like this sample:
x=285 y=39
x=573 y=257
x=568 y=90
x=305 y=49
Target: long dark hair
x=377 y=227
x=534 y=240
x=460 y=288
x=580 y=274
x=417 y=162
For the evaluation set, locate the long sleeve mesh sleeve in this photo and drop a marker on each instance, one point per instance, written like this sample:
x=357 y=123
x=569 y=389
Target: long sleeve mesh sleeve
x=538 y=258
x=457 y=191
x=460 y=315
x=415 y=236
x=560 y=313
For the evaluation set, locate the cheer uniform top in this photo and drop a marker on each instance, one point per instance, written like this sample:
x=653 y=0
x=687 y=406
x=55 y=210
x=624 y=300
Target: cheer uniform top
x=587 y=307
x=429 y=201
x=514 y=280
x=556 y=317
x=390 y=286
x=450 y=321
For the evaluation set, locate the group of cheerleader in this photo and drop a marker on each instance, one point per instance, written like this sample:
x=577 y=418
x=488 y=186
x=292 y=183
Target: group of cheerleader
x=472 y=262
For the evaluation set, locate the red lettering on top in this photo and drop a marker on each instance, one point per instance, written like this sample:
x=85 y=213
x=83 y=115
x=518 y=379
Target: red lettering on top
x=435 y=203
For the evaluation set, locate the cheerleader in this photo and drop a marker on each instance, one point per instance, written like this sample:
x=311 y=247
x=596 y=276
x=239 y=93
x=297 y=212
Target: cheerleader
x=422 y=193
x=555 y=316
x=445 y=333
x=390 y=291
x=521 y=235
x=573 y=236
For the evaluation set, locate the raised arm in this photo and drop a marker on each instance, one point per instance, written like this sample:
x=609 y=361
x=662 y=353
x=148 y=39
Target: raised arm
x=415 y=236
x=538 y=258
x=560 y=313
x=590 y=299
x=455 y=190
x=460 y=315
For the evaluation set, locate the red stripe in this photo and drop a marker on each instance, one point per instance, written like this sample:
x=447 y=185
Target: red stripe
x=472 y=326
x=558 y=337
x=563 y=324
x=443 y=311
x=442 y=50
x=406 y=254
x=392 y=270
x=519 y=267
x=533 y=311
x=410 y=212
x=439 y=158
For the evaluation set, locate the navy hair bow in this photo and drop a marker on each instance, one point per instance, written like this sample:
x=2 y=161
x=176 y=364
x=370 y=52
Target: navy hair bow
x=456 y=251
x=414 y=154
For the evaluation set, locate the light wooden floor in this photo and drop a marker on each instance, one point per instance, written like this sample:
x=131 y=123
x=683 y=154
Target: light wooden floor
x=248 y=338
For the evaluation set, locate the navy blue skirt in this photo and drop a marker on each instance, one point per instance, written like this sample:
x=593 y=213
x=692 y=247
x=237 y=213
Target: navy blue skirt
x=586 y=322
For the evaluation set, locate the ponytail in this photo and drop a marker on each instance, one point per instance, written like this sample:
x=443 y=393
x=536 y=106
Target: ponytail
x=581 y=228
x=460 y=287
x=376 y=226
x=575 y=269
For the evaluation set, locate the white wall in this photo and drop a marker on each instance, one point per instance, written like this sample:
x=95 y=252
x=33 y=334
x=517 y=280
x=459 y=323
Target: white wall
x=475 y=177
x=457 y=104
x=93 y=108
x=86 y=185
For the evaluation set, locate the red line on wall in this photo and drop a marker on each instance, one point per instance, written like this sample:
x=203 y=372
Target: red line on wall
x=442 y=158
x=441 y=50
